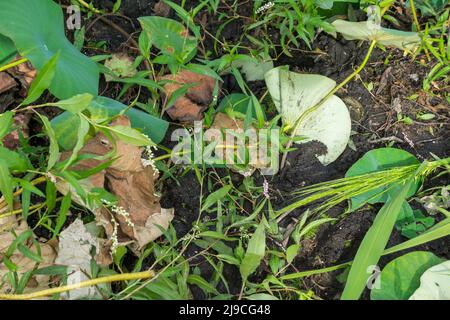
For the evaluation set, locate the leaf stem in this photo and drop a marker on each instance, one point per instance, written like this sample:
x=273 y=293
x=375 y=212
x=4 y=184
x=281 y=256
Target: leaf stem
x=13 y=64
x=83 y=284
x=331 y=93
x=414 y=13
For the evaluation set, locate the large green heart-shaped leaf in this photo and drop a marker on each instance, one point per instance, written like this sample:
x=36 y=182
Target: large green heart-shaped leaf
x=295 y=93
x=37 y=29
x=380 y=160
x=434 y=283
x=102 y=108
x=169 y=36
x=370 y=30
x=401 y=277
x=7 y=50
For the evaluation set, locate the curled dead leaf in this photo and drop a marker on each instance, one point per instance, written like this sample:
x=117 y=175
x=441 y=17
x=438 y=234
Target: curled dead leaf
x=75 y=246
x=12 y=140
x=9 y=224
x=190 y=106
x=138 y=207
x=121 y=65
x=161 y=9
x=6 y=82
x=25 y=74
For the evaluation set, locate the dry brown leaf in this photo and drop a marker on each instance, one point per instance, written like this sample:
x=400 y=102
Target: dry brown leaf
x=191 y=106
x=6 y=82
x=131 y=183
x=11 y=140
x=74 y=251
x=161 y=9
x=121 y=65
x=25 y=74
x=24 y=264
x=223 y=122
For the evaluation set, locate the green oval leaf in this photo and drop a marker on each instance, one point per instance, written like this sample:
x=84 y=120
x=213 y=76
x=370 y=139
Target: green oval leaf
x=380 y=160
x=37 y=29
x=401 y=277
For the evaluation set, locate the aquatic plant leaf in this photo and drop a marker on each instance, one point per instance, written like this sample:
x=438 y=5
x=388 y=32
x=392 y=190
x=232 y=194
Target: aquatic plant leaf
x=254 y=69
x=170 y=37
x=37 y=29
x=295 y=93
x=379 y=160
x=369 y=30
x=7 y=50
x=434 y=283
x=401 y=277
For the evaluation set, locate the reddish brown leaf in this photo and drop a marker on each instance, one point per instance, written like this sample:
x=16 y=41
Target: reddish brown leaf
x=191 y=106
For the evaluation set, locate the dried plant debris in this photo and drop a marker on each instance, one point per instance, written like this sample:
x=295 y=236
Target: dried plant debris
x=135 y=216
x=10 y=228
x=121 y=65
x=161 y=9
x=19 y=77
x=76 y=245
x=7 y=82
x=190 y=106
x=21 y=121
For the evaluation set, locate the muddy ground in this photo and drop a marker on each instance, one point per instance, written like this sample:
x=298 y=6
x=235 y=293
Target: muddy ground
x=375 y=124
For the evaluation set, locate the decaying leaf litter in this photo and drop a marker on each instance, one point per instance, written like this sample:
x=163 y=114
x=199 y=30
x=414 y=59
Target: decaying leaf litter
x=132 y=218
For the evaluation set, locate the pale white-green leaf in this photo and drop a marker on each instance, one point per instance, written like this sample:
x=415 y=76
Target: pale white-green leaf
x=254 y=69
x=434 y=283
x=131 y=136
x=369 y=30
x=295 y=93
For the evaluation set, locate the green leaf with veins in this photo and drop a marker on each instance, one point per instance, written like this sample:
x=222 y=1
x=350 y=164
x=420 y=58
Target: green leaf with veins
x=37 y=29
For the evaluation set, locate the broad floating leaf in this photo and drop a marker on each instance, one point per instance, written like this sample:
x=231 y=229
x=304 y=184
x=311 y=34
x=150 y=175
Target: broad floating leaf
x=380 y=160
x=295 y=93
x=254 y=69
x=169 y=36
x=37 y=29
x=7 y=50
x=401 y=277
x=370 y=30
x=434 y=283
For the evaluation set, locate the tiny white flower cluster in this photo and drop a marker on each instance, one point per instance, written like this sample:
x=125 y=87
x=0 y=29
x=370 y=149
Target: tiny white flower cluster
x=266 y=189
x=265 y=7
x=114 y=237
x=148 y=153
x=119 y=211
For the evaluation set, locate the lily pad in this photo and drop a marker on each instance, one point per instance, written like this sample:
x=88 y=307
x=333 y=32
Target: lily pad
x=370 y=30
x=295 y=93
x=7 y=50
x=401 y=277
x=37 y=29
x=254 y=69
x=169 y=36
x=434 y=283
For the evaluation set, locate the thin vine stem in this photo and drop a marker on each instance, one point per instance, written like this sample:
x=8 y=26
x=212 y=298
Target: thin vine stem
x=330 y=94
x=83 y=284
x=13 y=64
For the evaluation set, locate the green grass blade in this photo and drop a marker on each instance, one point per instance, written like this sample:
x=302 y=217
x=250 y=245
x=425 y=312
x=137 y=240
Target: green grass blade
x=373 y=245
